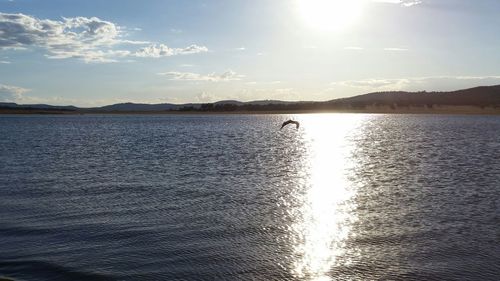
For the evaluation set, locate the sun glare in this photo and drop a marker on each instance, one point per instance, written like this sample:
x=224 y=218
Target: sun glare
x=330 y=15
x=324 y=217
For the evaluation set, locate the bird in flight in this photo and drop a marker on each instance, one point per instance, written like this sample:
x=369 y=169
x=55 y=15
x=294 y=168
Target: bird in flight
x=297 y=124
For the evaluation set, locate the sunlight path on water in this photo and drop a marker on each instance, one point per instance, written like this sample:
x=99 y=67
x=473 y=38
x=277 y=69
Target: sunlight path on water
x=324 y=216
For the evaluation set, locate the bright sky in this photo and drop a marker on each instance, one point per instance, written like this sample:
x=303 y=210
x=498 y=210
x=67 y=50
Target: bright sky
x=93 y=52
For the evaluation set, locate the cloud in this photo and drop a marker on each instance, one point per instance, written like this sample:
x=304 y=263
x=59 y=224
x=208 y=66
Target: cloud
x=374 y=83
x=265 y=94
x=419 y=83
x=410 y=3
x=88 y=39
x=78 y=37
x=212 y=77
x=477 y=77
x=396 y=49
x=205 y=97
x=11 y=93
x=4 y=62
x=135 y=42
x=161 y=50
x=405 y=3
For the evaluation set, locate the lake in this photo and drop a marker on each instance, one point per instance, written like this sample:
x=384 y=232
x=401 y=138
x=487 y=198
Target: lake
x=232 y=197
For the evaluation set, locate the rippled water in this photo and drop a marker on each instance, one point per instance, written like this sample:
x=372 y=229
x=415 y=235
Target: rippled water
x=231 y=197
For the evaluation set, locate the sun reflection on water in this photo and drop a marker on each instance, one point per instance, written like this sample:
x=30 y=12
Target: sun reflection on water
x=324 y=216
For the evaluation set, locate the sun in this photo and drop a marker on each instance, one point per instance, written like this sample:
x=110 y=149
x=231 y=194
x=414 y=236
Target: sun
x=330 y=15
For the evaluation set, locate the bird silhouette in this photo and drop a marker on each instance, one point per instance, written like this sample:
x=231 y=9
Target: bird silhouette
x=297 y=124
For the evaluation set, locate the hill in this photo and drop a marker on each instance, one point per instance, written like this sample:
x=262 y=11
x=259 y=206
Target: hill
x=135 y=107
x=484 y=99
x=479 y=96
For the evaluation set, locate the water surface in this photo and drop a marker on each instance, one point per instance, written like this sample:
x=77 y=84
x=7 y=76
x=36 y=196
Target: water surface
x=231 y=197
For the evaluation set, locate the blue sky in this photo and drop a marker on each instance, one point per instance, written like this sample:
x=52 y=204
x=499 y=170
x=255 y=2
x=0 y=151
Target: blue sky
x=90 y=53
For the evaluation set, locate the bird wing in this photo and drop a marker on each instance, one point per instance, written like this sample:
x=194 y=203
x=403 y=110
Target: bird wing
x=285 y=123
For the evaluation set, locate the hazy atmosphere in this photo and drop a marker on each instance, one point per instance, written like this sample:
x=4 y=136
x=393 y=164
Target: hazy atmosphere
x=92 y=53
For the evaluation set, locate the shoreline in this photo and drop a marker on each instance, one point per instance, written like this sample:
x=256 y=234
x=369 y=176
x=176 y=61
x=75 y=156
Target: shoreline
x=465 y=110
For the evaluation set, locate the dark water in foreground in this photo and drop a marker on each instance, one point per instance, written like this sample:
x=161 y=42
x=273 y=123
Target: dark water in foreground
x=345 y=197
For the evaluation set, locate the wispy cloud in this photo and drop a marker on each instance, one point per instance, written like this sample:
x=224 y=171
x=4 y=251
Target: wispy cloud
x=405 y=3
x=264 y=83
x=249 y=94
x=88 y=39
x=10 y=93
x=212 y=77
x=373 y=83
x=431 y=83
x=392 y=49
x=134 y=42
x=4 y=62
x=476 y=77
x=161 y=50
x=207 y=97
x=410 y=3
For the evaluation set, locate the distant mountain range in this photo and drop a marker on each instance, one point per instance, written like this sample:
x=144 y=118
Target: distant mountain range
x=11 y=105
x=173 y=107
x=480 y=98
